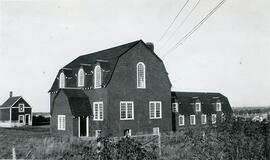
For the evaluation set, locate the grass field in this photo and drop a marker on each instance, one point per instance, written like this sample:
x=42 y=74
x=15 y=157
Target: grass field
x=19 y=138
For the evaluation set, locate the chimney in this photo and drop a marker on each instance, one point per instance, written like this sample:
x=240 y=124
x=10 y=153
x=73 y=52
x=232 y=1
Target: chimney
x=150 y=45
x=10 y=94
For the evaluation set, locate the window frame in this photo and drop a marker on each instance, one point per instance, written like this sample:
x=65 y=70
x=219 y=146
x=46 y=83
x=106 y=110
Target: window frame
x=126 y=110
x=175 y=108
x=214 y=115
x=200 y=106
x=62 y=80
x=192 y=117
x=95 y=77
x=155 y=109
x=21 y=119
x=183 y=117
x=61 y=122
x=143 y=86
x=81 y=78
x=98 y=111
x=203 y=119
x=21 y=104
x=218 y=106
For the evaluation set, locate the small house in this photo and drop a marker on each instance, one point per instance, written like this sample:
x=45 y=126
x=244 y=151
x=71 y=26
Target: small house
x=15 y=112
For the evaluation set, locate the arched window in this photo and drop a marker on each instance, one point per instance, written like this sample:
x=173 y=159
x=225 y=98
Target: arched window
x=97 y=77
x=140 y=75
x=218 y=106
x=198 y=106
x=62 y=80
x=81 y=78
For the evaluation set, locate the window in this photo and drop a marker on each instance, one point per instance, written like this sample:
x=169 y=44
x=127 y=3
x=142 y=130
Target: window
x=181 y=120
x=81 y=78
x=175 y=107
x=198 y=106
x=61 y=122
x=192 y=120
x=21 y=107
x=98 y=133
x=98 y=111
x=126 y=110
x=21 y=118
x=140 y=75
x=97 y=77
x=62 y=80
x=214 y=118
x=223 y=118
x=156 y=131
x=155 y=110
x=203 y=119
x=218 y=106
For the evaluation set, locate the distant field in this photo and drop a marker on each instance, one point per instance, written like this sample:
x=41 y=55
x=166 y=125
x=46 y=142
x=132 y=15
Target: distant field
x=19 y=138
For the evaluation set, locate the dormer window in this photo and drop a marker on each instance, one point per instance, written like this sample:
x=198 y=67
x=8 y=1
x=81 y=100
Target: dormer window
x=141 y=75
x=81 y=78
x=62 y=80
x=175 y=107
x=218 y=106
x=198 y=106
x=97 y=77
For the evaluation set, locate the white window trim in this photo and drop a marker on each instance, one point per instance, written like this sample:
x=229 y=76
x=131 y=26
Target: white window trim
x=204 y=118
x=144 y=80
x=192 y=117
x=21 y=104
x=200 y=106
x=62 y=125
x=80 y=81
x=155 y=113
x=95 y=77
x=181 y=116
x=98 y=119
x=126 y=102
x=62 y=81
x=175 y=109
x=218 y=106
x=97 y=133
x=214 y=115
x=22 y=118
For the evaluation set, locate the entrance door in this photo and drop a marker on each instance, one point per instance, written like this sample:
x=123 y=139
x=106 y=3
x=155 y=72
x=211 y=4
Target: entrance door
x=82 y=126
x=27 y=117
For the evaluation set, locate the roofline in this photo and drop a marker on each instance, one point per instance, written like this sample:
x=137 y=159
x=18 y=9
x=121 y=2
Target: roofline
x=15 y=101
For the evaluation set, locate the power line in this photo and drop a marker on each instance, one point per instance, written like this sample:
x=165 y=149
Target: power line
x=195 y=28
x=181 y=24
x=173 y=21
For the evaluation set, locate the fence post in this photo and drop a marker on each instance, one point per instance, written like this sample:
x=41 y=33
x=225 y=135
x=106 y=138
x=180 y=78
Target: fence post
x=159 y=144
x=13 y=153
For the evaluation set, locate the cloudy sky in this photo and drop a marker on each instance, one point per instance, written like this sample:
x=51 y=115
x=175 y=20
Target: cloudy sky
x=229 y=53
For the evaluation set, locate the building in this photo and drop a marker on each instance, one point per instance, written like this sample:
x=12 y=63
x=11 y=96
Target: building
x=198 y=109
x=119 y=91
x=15 y=112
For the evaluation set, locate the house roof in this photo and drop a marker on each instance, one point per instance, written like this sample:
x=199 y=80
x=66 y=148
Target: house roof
x=10 y=101
x=187 y=99
x=107 y=59
x=78 y=102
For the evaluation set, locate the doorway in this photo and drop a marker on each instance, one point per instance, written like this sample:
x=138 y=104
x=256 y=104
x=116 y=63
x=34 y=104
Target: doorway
x=83 y=126
x=27 y=119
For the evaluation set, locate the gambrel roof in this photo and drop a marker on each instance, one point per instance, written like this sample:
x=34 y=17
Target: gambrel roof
x=10 y=101
x=208 y=100
x=107 y=59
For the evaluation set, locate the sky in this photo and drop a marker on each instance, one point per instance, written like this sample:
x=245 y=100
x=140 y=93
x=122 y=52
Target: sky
x=229 y=53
